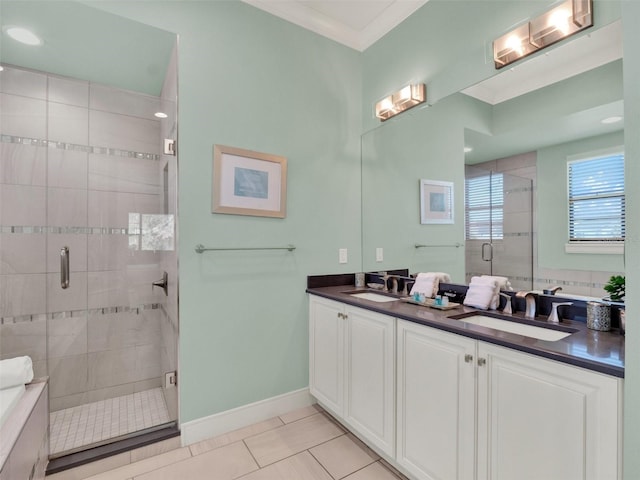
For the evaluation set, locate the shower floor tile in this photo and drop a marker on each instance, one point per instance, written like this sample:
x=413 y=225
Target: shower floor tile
x=90 y=423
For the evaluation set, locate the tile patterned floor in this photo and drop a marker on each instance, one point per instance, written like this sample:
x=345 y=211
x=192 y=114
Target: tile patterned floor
x=305 y=444
x=86 y=424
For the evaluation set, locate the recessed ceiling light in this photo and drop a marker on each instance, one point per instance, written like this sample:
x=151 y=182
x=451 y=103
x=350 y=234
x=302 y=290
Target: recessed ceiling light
x=468 y=149
x=614 y=119
x=23 y=35
x=161 y=115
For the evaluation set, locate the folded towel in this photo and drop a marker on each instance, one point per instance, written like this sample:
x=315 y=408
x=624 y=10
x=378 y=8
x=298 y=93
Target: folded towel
x=429 y=282
x=503 y=282
x=15 y=371
x=479 y=296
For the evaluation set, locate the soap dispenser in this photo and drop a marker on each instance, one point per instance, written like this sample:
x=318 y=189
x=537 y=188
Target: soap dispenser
x=553 y=317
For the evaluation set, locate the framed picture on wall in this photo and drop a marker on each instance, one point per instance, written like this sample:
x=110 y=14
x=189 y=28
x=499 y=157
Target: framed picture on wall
x=436 y=202
x=248 y=183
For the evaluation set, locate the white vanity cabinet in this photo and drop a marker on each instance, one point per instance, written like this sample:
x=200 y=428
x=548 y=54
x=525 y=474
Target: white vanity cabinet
x=436 y=403
x=352 y=368
x=536 y=418
x=542 y=419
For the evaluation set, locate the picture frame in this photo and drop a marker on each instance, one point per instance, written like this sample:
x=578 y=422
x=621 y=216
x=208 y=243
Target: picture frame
x=436 y=202
x=248 y=183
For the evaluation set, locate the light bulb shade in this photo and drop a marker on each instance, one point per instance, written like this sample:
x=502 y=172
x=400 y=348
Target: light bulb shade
x=402 y=100
x=560 y=22
x=512 y=46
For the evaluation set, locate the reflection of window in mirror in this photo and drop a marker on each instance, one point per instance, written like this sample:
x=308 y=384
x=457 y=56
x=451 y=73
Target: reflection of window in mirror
x=151 y=232
x=484 y=207
x=596 y=202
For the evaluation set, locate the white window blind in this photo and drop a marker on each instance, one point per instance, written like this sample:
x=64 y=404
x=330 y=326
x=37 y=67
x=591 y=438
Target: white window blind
x=484 y=204
x=596 y=199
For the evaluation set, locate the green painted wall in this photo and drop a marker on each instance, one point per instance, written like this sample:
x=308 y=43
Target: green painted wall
x=553 y=223
x=630 y=18
x=250 y=80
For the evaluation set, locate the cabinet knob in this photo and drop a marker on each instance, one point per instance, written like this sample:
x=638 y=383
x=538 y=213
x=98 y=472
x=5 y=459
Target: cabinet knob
x=468 y=358
x=482 y=362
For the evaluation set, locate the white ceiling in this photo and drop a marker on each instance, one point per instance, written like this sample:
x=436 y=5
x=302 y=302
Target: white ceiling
x=354 y=23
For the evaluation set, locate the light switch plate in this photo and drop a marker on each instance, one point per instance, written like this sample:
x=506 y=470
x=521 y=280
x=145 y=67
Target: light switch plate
x=379 y=254
x=342 y=255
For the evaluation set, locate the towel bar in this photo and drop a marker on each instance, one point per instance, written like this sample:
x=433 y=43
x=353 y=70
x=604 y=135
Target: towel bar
x=201 y=248
x=456 y=245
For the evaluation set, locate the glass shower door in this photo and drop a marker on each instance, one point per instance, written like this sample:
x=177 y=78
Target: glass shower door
x=499 y=226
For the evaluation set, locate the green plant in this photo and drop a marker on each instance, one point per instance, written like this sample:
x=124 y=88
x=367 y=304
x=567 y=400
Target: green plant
x=615 y=288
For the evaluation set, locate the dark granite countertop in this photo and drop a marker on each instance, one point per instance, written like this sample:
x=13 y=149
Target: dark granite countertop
x=598 y=351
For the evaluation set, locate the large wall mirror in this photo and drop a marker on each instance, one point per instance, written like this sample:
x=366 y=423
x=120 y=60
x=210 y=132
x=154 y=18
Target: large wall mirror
x=512 y=136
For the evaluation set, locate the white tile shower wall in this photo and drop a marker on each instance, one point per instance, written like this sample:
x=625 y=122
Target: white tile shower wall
x=23 y=116
x=59 y=190
x=23 y=164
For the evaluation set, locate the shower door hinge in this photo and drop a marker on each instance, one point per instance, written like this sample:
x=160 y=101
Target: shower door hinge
x=169 y=146
x=170 y=379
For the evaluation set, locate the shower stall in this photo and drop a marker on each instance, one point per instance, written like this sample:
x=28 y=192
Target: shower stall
x=499 y=226
x=88 y=251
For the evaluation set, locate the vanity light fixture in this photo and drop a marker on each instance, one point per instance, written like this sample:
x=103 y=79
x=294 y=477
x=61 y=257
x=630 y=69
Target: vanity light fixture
x=402 y=100
x=562 y=21
x=512 y=46
x=23 y=35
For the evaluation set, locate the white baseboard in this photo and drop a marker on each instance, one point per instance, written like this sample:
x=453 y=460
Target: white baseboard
x=223 y=422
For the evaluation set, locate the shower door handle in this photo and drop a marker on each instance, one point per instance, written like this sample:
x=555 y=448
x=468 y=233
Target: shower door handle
x=64 y=267
x=490 y=256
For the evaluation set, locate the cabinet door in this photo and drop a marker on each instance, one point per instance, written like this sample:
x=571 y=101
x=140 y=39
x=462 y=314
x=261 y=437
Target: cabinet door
x=326 y=353
x=370 y=377
x=436 y=403
x=539 y=419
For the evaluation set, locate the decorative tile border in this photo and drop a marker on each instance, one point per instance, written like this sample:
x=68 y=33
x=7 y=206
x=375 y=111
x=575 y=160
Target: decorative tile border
x=79 y=313
x=516 y=234
x=113 y=152
x=69 y=230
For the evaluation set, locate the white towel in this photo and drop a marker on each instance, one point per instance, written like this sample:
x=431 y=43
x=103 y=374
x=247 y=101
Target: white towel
x=483 y=293
x=15 y=371
x=479 y=296
x=503 y=282
x=429 y=282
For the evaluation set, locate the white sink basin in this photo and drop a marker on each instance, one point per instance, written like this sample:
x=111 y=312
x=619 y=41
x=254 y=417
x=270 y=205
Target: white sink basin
x=374 y=297
x=513 y=327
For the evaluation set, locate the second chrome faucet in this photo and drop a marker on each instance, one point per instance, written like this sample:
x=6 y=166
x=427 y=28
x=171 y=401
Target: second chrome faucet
x=530 y=302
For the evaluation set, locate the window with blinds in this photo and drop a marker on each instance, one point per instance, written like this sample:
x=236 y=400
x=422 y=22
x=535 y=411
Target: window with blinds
x=484 y=205
x=596 y=199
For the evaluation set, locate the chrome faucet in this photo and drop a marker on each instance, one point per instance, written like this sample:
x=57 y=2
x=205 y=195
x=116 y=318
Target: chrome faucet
x=395 y=282
x=384 y=277
x=530 y=299
x=552 y=290
x=553 y=316
x=507 y=307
